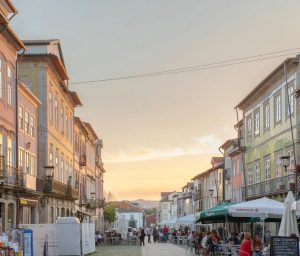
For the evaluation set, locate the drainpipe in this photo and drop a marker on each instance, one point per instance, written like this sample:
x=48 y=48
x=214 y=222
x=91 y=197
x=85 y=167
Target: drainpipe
x=17 y=133
x=223 y=176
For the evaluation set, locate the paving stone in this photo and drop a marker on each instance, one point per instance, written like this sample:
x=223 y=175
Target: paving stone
x=158 y=249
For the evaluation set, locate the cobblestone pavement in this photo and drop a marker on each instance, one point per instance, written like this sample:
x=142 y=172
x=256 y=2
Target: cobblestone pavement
x=161 y=249
x=118 y=250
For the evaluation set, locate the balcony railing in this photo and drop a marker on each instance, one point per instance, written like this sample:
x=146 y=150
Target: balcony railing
x=52 y=186
x=101 y=203
x=270 y=187
x=11 y=177
x=198 y=194
x=91 y=203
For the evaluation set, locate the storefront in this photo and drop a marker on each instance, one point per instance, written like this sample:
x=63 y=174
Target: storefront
x=28 y=211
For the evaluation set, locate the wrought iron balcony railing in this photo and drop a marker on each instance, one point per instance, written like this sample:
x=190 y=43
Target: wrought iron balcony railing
x=51 y=186
x=91 y=203
x=270 y=187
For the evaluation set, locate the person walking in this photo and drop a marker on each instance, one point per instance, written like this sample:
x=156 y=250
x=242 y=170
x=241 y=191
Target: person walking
x=141 y=234
x=155 y=235
x=165 y=233
x=246 y=245
x=148 y=233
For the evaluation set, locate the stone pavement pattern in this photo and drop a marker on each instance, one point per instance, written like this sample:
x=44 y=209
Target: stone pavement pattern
x=161 y=249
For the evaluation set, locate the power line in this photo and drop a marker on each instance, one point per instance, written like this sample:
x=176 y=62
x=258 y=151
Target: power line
x=211 y=65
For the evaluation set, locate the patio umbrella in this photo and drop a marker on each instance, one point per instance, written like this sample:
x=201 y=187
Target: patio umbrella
x=289 y=224
x=216 y=214
x=186 y=220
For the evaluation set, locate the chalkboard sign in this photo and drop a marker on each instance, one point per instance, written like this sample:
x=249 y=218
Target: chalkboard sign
x=284 y=246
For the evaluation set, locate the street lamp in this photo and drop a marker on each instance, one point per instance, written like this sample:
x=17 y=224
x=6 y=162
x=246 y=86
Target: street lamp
x=211 y=192
x=49 y=172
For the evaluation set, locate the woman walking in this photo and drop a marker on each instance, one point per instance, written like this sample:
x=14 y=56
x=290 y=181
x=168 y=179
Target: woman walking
x=141 y=235
x=246 y=245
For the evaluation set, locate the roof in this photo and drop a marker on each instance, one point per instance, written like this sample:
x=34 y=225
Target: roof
x=216 y=160
x=11 y=6
x=23 y=87
x=90 y=130
x=75 y=98
x=47 y=42
x=227 y=143
x=125 y=206
x=7 y=28
x=263 y=84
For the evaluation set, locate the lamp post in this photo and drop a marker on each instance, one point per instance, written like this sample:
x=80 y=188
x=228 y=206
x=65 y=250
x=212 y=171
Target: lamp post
x=211 y=192
x=49 y=172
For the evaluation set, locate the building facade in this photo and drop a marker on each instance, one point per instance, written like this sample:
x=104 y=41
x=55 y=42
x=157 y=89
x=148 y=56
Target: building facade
x=10 y=44
x=42 y=69
x=271 y=116
x=28 y=106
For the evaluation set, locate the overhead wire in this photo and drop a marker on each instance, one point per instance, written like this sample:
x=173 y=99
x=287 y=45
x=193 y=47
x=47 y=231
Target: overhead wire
x=212 y=65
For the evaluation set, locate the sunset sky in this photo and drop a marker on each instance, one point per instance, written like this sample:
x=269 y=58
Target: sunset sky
x=159 y=132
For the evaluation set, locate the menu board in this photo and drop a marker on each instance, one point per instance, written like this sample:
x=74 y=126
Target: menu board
x=284 y=246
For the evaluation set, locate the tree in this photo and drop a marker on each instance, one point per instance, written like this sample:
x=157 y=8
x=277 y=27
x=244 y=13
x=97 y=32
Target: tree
x=109 y=214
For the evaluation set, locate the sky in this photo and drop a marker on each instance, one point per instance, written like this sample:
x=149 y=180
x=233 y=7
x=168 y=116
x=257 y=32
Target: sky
x=159 y=132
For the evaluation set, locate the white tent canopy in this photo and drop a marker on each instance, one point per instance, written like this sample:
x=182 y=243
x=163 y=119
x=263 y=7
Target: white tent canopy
x=262 y=207
x=288 y=224
x=186 y=220
x=170 y=222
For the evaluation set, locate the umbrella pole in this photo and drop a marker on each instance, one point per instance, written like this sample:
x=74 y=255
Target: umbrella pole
x=263 y=231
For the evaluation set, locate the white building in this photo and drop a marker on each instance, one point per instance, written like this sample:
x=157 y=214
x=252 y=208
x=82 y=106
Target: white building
x=128 y=215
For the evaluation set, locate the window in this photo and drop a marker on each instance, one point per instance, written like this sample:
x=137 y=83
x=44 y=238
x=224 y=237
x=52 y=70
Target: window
x=56 y=112
x=26 y=122
x=51 y=107
x=256 y=123
x=257 y=172
x=62 y=170
x=266 y=116
x=249 y=174
x=71 y=129
x=51 y=155
x=32 y=165
x=1 y=78
x=290 y=99
x=9 y=153
x=10 y=81
x=67 y=126
x=32 y=125
x=277 y=110
x=21 y=159
x=62 y=116
x=21 y=118
x=56 y=165
x=249 y=128
x=267 y=168
x=27 y=162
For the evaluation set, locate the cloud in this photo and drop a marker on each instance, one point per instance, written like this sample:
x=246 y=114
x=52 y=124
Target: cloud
x=201 y=145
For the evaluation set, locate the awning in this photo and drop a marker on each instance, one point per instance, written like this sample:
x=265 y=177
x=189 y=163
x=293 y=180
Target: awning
x=216 y=214
x=186 y=220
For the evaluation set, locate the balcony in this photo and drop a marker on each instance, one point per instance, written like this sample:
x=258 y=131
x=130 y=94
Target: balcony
x=270 y=187
x=82 y=160
x=101 y=203
x=91 y=203
x=56 y=188
x=198 y=194
x=11 y=177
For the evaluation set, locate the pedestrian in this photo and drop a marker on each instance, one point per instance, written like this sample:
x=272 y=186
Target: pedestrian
x=166 y=233
x=148 y=233
x=246 y=245
x=141 y=234
x=155 y=235
x=206 y=243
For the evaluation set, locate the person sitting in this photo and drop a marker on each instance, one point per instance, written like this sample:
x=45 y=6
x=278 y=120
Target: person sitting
x=233 y=239
x=257 y=245
x=206 y=243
